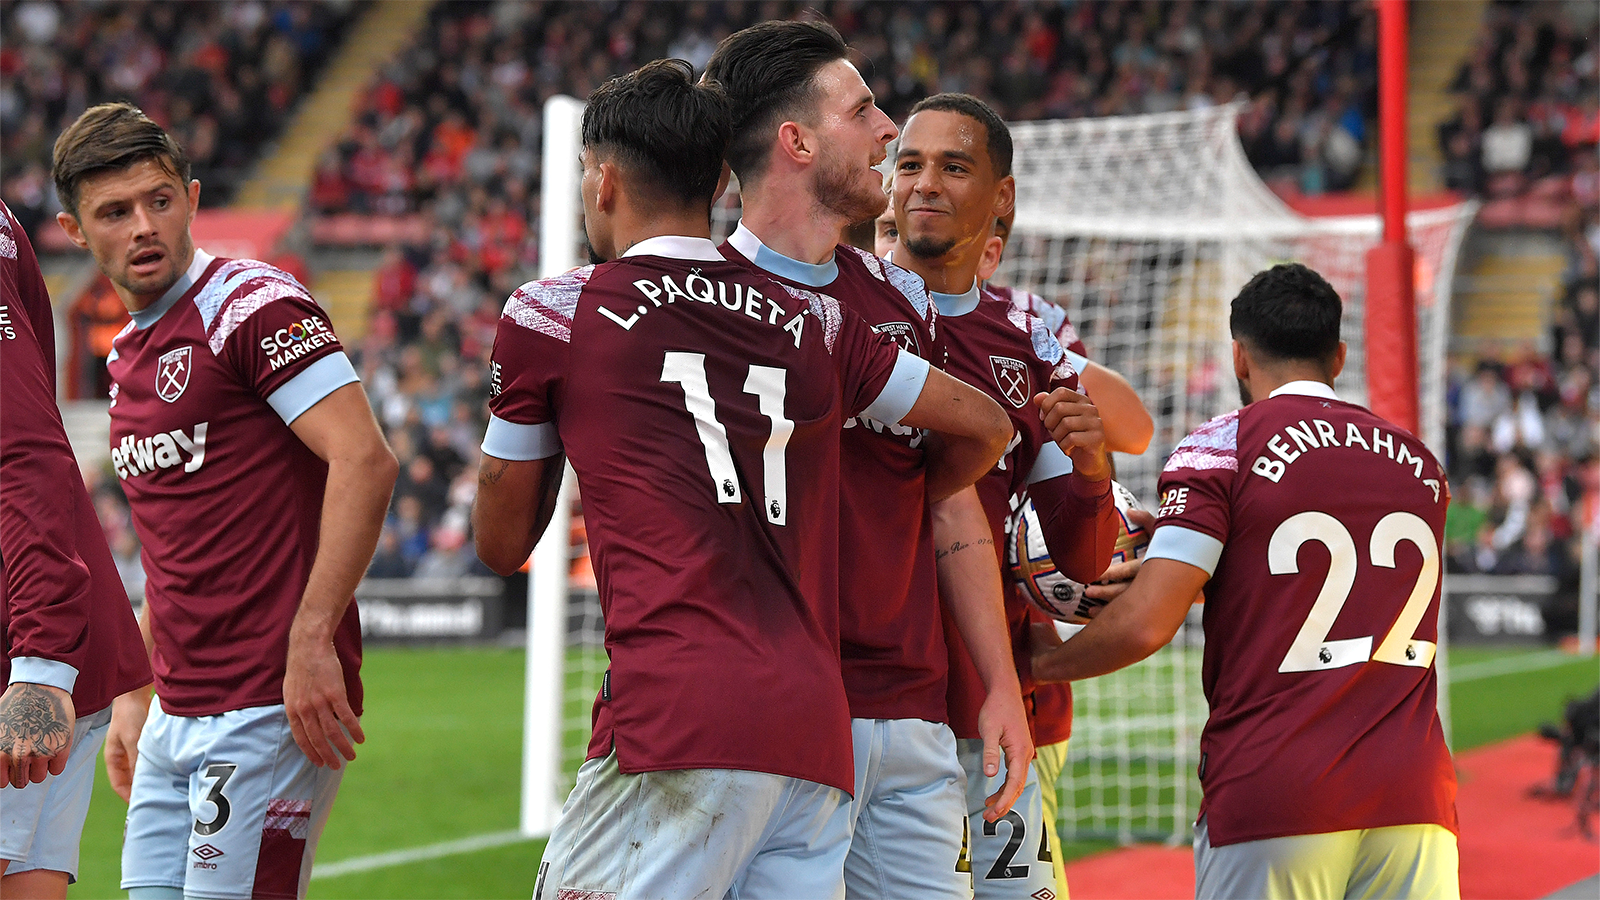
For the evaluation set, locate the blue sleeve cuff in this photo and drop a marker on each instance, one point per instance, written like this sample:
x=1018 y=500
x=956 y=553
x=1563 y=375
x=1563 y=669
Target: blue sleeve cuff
x=520 y=443
x=315 y=382
x=1053 y=462
x=1185 y=545
x=902 y=390
x=1078 y=360
x=37 y=670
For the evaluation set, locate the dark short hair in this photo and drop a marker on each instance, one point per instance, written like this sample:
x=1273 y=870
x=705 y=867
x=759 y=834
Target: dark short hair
x=999 y=136
x=769 y=71
x=667 y=131
x=1288 y=312
x=109 y=138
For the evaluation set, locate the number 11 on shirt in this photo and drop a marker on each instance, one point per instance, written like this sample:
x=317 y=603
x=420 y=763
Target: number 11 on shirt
x=768 y=384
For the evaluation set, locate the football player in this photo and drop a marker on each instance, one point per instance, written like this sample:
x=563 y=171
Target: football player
x=701 y=404
x=1315 y=528
x=258 y=481
x=71 y=642
x=807 y=137
x=952 y=179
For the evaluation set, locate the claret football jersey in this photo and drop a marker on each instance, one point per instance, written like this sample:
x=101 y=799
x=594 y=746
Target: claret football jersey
x=891 y=638
x=225 y=498
x=1054 y=317
x=701 y=404
x=64 y=616
x=1010 y=355
x=1049 y=705
x=1320 y=525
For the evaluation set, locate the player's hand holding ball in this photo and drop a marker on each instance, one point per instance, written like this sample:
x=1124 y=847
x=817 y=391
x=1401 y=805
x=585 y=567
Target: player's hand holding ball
x=1119 y=575
x=1074 y=424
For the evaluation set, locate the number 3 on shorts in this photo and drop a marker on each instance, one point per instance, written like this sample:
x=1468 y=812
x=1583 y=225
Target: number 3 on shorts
x=218 y=773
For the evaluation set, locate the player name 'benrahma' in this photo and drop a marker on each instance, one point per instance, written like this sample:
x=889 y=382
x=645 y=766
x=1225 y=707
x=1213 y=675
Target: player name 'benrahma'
x=1321 y=434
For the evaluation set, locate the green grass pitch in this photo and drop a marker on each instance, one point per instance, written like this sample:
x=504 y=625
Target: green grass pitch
x=443 y=761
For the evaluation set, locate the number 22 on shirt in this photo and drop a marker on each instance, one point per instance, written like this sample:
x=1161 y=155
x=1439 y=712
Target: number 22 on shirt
x=1311 y=651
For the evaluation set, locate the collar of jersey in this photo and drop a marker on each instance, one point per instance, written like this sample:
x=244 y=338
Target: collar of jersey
x=956 y=304
x=676 y=246
x=151 y=314
x=1306 y=389
x=745 y=241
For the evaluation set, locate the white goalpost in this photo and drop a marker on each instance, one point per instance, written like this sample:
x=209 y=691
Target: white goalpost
x=1143 y=228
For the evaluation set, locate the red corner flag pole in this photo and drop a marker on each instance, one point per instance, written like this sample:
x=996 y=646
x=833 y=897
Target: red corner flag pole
x=1391 y=330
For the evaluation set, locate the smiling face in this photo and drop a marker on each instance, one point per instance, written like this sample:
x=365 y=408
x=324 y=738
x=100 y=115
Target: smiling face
x=852 y=137
x=946 y=193
x=135 y=222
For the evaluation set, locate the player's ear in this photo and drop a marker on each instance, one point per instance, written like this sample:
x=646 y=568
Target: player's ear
x=1336 y=364
x=69 y=223
x=722 y=182
x=794 y=143
x=1241 y=361
x=605 y=187
x=990 y=261
x=194 y=198
x=1006 y=197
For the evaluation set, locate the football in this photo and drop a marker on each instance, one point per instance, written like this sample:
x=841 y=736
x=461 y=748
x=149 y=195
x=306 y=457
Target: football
x=1035 y=572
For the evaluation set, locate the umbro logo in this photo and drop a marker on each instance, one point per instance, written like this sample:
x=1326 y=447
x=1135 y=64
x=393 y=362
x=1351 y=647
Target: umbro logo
x=206 y=851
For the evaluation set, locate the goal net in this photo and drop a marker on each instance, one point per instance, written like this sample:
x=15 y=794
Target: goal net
x=1143 y=228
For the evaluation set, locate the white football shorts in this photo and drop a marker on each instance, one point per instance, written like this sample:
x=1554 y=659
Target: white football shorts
x=1010 y=858
x=225 y=807
x=41 y=824
x=695 y=833
x=908 y=812
x=1415 y=861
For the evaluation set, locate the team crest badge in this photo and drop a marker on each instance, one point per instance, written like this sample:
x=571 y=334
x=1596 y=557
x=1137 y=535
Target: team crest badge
x=172 y=373
x=1011 y=376
x=902 y=333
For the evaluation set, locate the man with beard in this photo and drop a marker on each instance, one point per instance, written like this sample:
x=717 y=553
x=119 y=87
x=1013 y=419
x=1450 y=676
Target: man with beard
x=1315 y=528
x=807 y=134
x=258 y=480
x=952 y=179
x=701 y=404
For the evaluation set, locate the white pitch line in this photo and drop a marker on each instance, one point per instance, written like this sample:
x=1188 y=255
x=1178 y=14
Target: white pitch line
x=1489 y=668
x=417 y=854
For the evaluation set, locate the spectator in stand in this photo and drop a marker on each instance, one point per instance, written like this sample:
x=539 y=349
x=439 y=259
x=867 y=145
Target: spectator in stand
x=220 y=77
x=1534 y=68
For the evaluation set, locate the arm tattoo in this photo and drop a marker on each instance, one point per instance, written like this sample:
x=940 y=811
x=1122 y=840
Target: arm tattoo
x=33 y=720
x=941 y=552
x=492 y=470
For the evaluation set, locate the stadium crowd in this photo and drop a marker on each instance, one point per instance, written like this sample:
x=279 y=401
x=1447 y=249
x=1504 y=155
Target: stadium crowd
x=1522 y=437
x=1528 y=106
x=221 y=77
x=1522 y=428
x=450 y=126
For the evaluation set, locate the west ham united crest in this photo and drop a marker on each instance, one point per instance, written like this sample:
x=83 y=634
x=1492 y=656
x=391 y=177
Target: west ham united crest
x=903 y=334
x=172 y=373
x=1011 y=376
